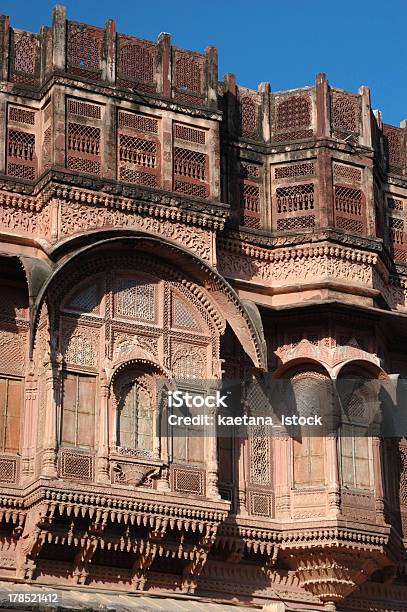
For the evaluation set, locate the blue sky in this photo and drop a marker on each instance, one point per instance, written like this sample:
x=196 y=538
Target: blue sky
x=284 y=42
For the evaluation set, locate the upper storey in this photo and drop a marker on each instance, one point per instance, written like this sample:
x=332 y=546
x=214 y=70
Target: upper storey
x=115 y=112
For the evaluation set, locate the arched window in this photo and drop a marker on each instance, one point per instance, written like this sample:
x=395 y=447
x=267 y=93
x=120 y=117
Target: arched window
x=135 y=418
x=358 y=403
x=308 y=393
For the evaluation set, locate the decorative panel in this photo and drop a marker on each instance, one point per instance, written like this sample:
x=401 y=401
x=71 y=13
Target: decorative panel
x=249 y=105
x=260 y=504
x=25 y=58
x=190 y=169
x=292 y=117
x=344 y=173
x=260 y=472
x=135 y=299
x=136 y=60
x=84 y=136
x=294 y=171
x=75 y=466
x=345 y=113
x=84 y=49
x=394 y=148
x=21 y=143
x=182 y=316
x=292 y=205
x=188 y=481
x=250 y=194
x=139 y=151
x=349 y=209
x=8 y=469
x=188 y=77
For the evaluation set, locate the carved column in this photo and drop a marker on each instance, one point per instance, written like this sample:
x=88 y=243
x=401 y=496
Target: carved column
x=212 y=457
x=163 y=73
x=52 y=386
x=58 y=38
x=109 y=53
x=331 y=443
x=103 y=450
x=27 y=443
x=281 y=475
x=377 y=470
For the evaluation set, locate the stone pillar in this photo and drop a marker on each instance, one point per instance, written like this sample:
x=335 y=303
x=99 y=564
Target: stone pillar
x=27 y=442
x=265 y=126
x=58 y=102
x=52 y=390
x=103 y=446
x=378 y=482
x=4 y=47
x=164 y=62
x=212 y=457
x=332 y=463
x=109 y=53
x=366 y=136
x=167 y=153
x=325 y=212
x=281 y=471
x=211 y=71
x=59 y=38
x=109 y=149
x=323 y=110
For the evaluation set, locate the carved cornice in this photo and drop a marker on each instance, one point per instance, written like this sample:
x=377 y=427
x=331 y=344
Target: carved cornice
x=277 y=239
x=300 y=252
x=113 y=92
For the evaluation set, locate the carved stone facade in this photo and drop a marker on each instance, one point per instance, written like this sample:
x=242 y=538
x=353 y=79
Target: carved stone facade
x=157 y=223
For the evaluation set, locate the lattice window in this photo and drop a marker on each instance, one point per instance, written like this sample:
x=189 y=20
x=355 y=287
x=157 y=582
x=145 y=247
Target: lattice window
x=260 y=504
x=249 y=170
x=395 y=204
x=182 y=317
x=348 y=200
x=294 y=171
x=393 y=147
x=25 y=58
x=81 y=351
x=137 y=151
x=296 y=223
x=76 y=466
x=84 y=109
x=191 y=189
x=190 y=172
x=46 y=148
x=189 y=363
x=397 y=235
x=8 y=470
x=260 y=456
x=191 y=164
x=349 y=225
x=138 y=122
x=250 y=212
x=293 y=113
x=248 y=117
x=189 y=134
x=12 y=351
x=21 y=145
x=188 y=481
x=135 y=299
x=188 y=74
x=345 y=112
x=21 y=115
x=295 y=198
x=139 y=155
x=347 y=174
x=84 y=49
x=21 y=160
x=136 y=61
x=84 y=148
